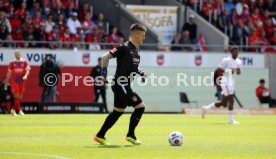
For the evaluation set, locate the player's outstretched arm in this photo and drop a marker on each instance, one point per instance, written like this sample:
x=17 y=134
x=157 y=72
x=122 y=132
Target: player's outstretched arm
x=104 y=63
x=105 y=60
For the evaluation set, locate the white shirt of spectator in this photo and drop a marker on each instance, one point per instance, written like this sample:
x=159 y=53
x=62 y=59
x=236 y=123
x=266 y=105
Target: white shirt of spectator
x=8 y=24
x=49 y=26
x=73 y=25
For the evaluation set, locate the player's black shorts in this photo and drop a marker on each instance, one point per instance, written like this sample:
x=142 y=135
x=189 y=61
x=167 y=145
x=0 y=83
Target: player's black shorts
x=124 y=96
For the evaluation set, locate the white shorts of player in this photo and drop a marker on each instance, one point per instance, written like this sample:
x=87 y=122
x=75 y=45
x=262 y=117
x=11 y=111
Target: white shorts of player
x=228 y=86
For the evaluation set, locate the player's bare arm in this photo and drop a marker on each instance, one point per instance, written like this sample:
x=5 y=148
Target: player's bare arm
x=105 y=60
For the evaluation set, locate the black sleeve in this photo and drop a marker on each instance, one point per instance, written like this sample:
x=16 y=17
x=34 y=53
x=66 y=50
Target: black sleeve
x=118 y=51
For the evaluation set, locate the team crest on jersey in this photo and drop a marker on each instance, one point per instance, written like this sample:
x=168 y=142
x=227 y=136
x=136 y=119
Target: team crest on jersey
x=198 y=60
x=160 y=59
x=86 y=58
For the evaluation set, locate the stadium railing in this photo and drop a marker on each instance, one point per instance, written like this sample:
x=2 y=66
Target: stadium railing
x=107 y=46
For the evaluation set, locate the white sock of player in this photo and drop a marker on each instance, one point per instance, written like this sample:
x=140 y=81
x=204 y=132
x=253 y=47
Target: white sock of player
x=231 y=116
x=207 y=107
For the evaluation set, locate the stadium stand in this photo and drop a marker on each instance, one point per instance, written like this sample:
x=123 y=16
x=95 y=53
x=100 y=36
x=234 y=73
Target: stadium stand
x=250 y=23
x=53 y=21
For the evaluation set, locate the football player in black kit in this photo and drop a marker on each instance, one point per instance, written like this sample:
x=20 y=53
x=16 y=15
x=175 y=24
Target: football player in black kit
x=128 y=60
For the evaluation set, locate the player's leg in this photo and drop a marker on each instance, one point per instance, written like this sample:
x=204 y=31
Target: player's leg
x=230 y=95
x=134 y=100
x=225 y=92
x=231 y=110
x=15 y=91
x=134 y=121
x=112 y=117
x=18 y=101
x=205 y=108
x=108 y=123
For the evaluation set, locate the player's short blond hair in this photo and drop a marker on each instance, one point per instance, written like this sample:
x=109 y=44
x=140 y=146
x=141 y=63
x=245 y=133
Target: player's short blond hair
x=137 y=27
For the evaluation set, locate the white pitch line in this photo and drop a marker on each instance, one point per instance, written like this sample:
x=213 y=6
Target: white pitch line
x=33 y=154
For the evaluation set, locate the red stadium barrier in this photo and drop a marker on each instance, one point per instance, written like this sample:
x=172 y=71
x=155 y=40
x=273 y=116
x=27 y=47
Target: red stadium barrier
x=67 y=93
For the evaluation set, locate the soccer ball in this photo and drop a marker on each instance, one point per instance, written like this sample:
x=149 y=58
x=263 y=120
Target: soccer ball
x=176 y=138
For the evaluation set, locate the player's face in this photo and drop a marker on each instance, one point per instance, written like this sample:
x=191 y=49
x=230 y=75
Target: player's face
x=235 y=53
x=17 y=54
x=140 y=37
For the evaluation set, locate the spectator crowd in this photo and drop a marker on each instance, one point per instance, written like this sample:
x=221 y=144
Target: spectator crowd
x=62 y=23
x=251 y=23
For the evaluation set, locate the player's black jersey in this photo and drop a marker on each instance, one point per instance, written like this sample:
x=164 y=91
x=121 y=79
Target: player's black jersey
x=128 y=60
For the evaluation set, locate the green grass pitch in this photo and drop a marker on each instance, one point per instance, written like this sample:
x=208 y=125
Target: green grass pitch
x=69 y=136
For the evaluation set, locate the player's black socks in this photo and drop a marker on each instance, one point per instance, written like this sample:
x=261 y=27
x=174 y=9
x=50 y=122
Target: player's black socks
x=109 y=122
x=134 y=120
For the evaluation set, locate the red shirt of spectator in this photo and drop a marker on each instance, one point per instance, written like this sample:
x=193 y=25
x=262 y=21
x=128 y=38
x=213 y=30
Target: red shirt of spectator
x=208 y=7
x=254 y=40
x=245 y=15
x=269 y=29
x=65 y=3
x=37 y=20
x=255 y=17
x=66 y=38
x=88 y=24
x=22 y=11
x=113 y=37
x=61 y=22
x=15 y=21
x=83 y=11
x=53 y=35
x=75 y=38
x=17 y=35
x=262 y=91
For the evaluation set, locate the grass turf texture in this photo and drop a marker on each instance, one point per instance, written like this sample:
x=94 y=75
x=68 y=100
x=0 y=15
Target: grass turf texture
x=70 y=136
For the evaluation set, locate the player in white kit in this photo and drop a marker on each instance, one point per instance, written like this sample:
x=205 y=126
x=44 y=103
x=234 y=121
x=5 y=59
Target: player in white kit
x=228 y=67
